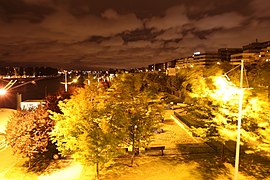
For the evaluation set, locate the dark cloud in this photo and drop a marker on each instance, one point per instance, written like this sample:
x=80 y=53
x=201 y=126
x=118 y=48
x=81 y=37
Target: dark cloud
x=19 y=10
x=121 y=33
x=139 y=34
x=200 y=9
x=97 y=39
x=142 y=9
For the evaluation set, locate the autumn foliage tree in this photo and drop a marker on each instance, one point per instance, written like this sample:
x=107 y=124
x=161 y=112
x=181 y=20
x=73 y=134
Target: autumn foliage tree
x=216 y=111
x=97 y=122
x=140 y=116
x=27 y=132
x=260 y=77
x=82 y=130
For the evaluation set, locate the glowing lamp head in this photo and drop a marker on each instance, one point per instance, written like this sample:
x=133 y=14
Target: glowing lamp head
x=3 y=91
x=226 y=90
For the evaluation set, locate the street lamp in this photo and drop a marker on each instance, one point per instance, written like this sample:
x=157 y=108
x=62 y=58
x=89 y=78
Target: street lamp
x=10 y=86
x=3 y=91
x=239 y=122
x=227 y=89
x=66 y=83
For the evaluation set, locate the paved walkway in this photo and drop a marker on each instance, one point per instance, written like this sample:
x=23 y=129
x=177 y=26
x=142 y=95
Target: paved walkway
x=178 y=163
x=5 y=113
x=185 y=158
x=177 y=138
x=7 y=158
x=7 y=161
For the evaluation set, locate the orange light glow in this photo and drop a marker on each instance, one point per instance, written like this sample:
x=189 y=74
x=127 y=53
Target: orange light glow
x=75 y=80
x=3 y=91
x=72 y=172
x=226 y=90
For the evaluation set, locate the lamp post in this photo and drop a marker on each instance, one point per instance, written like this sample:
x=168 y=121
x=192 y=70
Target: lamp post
x=227 y=88
x=239 y=123
x=66 y=83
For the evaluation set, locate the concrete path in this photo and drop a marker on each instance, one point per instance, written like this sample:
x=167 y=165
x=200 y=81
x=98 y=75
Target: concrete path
x=7 y=158
x=177 y=138
x=5 y=113
x=7 y=161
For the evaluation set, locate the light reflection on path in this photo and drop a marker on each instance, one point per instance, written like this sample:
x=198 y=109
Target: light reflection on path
x=69 y=173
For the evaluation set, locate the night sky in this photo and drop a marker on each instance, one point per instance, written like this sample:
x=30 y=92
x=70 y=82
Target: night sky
x=124 y=33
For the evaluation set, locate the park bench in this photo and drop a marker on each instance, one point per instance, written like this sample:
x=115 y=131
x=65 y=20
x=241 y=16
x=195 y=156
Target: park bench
x=154 y=148
x=136 y=150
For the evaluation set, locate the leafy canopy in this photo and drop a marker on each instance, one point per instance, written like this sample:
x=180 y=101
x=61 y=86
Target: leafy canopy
x=27 y=132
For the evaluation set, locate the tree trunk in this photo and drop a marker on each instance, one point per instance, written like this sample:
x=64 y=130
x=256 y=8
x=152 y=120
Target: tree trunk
x=133 y=145
x=97 y=170
x=222 y=152
x=133 y=153
x=29 y=163
x=269 y=93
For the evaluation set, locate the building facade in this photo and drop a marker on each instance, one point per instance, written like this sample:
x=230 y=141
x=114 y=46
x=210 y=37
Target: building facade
x=225 y=53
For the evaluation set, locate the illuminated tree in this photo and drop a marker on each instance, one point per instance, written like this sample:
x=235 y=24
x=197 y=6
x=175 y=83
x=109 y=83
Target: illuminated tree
x=139 y=116
x=260 y=77
x=27 y=132
x=51 y=101
x=96 y=123
x=81 y=129
x=156 y=82
x=216 y=112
